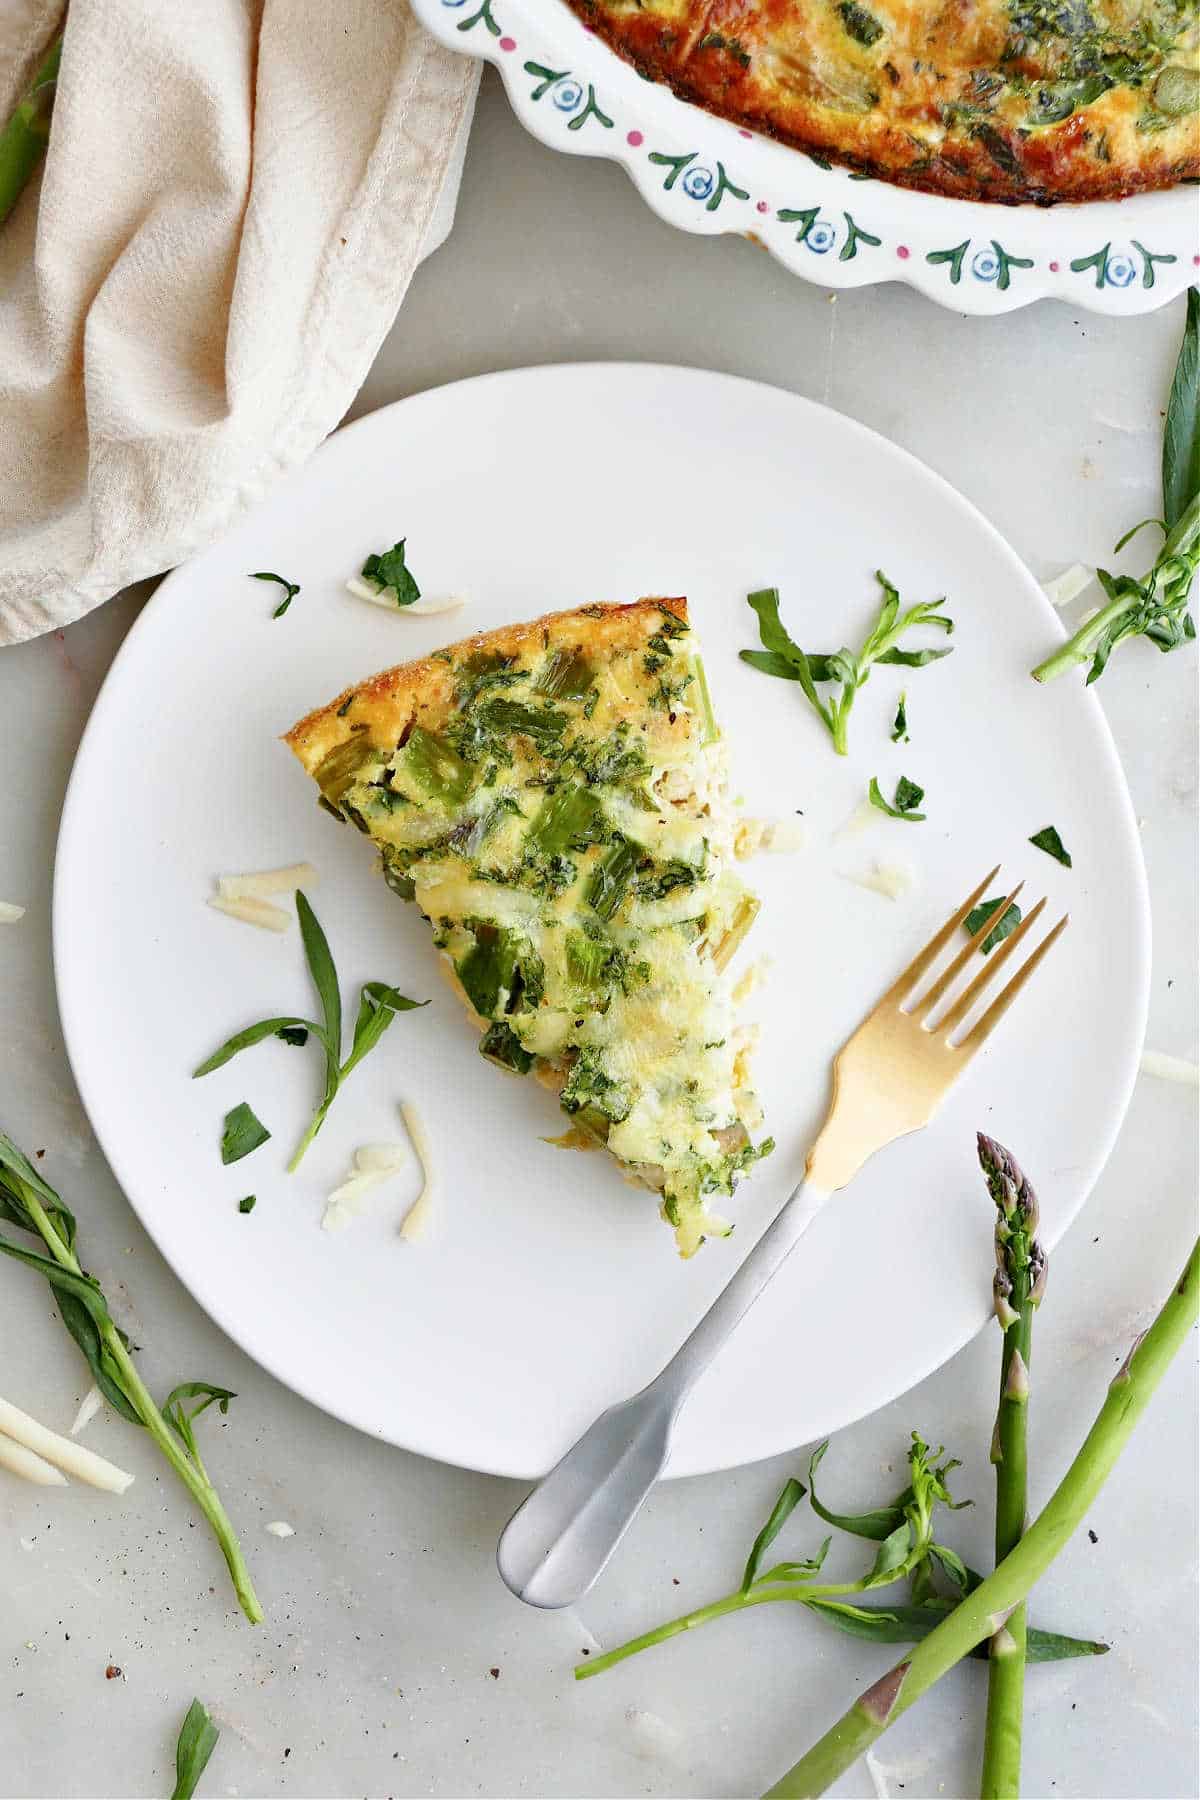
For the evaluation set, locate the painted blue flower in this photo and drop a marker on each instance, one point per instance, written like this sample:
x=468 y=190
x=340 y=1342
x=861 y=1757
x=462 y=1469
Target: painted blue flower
x=820 y=237
x=454 y=2
x=699 y=182
x=985 y=265
x=568 y=94
x=1120 y=269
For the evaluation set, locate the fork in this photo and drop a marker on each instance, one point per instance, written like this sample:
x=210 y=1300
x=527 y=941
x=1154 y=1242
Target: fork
x=888 y=1080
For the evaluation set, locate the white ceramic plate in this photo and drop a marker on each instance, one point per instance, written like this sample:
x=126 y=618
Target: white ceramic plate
x=704 y=174
x=548 y=1288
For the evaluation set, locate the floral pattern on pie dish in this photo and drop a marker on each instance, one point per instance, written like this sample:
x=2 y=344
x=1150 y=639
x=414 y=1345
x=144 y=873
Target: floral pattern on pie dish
x=825 y=224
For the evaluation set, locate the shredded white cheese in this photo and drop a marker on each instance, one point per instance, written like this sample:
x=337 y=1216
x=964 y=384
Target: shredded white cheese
x=268 y=882
x=863 y=815
x=281 y=1529
x=889 y=879
x=253 y=912
x=1069 y=585
x=89 y=1406
x=10 y=912
x=73 y=1459
x=751 y=980
x=424 y=608
x=20 y=1461
x=751 y=837
x=1170 y=1068
x=416 y=1219
x=373 y=1163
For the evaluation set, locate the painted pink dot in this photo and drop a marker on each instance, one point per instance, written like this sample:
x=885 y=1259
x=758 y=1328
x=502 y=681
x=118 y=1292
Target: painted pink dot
x=902 y=252
x=763 y=207
x=1196 y=261
x=1054 y=268
x=634 y=138
x=507 y=43
x=745 y=134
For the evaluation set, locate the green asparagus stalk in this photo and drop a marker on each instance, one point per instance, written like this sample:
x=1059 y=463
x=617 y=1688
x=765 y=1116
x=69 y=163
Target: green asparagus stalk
x=1019 y=1283
x=32 y=1204
x=982 y=1613
x=23 y=139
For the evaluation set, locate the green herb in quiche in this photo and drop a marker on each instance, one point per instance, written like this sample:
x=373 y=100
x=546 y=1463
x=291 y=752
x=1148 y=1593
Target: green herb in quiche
x=197 y=1741
x=31 y=1204
x=377 y=1007
x=1156 y=607
x=291 y=589
x=248 y=1204
x=388 y=571
x=242 y=1134
x=1003 y=928
x=900 y=722
x=1047 y=839
x=908 y=796
x=782 y=657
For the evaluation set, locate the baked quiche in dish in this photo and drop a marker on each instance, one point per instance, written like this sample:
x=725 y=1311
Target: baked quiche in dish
x=1004 y=100
x=553 y=797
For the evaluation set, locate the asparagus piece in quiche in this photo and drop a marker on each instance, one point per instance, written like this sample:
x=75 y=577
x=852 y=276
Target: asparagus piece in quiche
x=552 y=796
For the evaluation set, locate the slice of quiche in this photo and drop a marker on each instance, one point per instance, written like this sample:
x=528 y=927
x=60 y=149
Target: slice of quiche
x=552 y=796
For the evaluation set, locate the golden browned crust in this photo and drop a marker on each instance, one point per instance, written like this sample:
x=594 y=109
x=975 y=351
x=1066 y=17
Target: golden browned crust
x=946 y=96
x=422 y=692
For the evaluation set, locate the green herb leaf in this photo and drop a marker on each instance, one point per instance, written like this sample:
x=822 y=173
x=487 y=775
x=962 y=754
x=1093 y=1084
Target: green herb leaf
x=782 y=657
x=781 y=1512
x=180 y=1418
x=1047 y=839
x=292 y=1031
x=1003 y=927
x=908 y=796
x=1181 y=432
x=877 y=1525
x=378 y=1005
x=891 y=1555
x=242 y=1134
x=292 y=589
x=390 y=570
x=324 y=974
x=900 y=722
x=83 y=1310
x=248 y=1204
x=908 y=1624
x=954 y=1566
x=197 y=1741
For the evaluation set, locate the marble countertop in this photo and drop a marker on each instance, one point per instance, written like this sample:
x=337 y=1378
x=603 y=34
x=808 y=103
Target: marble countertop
x=393 y=1661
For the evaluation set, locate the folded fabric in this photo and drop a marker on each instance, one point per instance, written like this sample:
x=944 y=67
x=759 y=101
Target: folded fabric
x=233 y=201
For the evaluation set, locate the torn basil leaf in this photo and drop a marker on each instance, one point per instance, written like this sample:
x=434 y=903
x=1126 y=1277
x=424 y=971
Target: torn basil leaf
x=908 y=796
x=900 y=723
x=1003 y=927
x=1047 y=839
x=243 y=1133
x=390 y=570
x=197 y=1741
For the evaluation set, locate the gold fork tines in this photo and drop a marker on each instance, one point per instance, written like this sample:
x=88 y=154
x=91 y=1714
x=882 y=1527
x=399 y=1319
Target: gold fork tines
x=892 y=1074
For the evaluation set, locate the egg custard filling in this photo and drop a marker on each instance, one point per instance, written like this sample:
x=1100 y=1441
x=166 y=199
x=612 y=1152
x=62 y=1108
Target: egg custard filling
x=552 y=796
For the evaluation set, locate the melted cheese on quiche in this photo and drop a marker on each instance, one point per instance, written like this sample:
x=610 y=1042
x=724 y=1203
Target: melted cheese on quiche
x=552 y=798
x=1010 y=100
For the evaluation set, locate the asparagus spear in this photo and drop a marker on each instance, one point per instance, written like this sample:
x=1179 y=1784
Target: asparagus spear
x=983 y=1612
x=1018 y=1285
x=23 y=139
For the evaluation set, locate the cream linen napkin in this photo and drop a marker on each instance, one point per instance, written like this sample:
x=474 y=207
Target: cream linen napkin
x=232 y=205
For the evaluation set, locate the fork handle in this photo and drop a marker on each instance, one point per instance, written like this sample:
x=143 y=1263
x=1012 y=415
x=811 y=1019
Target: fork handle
x=740 y=1292
x=559 y=1540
